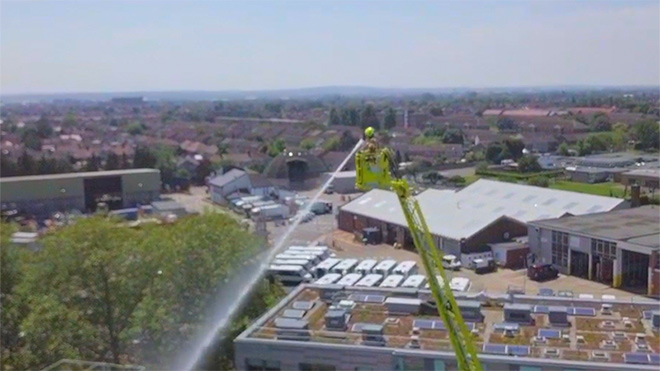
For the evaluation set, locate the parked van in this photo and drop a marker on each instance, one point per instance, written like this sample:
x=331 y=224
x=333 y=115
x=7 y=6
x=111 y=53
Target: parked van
x=451 y=262
x=289 y=274
x=370 y=280
x=312 y=258
x=385 y=267
x=441 y=282
x=460 y=284
x=328 y=279
x=406 y=268
x=324 y=267
x=345 y=267
x=484 y=265
x=366 y=266
x=415 y=281
x=393 y=280
x=308 y=265
x=349 y=279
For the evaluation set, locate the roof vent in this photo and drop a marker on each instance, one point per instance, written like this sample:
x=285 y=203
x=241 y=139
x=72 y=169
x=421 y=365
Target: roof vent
x=606 y=309
x=607 y=324
x=643 y=348
x=580 y=339
x=608 y=344
x=551 y=353
x=414 y=342
x=599 y=355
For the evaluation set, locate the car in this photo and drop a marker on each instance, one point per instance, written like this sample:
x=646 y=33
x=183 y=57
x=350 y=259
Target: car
x=515 y=290
x=542 y=272
x=451 y=262
x=546 y=291
x=565 y=293
x=486 y=265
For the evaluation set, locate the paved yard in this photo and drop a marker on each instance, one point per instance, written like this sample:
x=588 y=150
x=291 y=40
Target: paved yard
x=345 y=246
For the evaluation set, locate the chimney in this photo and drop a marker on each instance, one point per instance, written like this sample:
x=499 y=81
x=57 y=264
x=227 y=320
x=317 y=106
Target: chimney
x=634 y=195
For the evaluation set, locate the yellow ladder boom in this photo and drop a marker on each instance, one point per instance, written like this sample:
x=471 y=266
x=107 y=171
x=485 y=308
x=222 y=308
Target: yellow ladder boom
x=375 y=168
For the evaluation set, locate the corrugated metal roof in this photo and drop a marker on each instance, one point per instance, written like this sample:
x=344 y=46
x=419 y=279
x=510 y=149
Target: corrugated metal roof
x=461 y=214
x=226 y=178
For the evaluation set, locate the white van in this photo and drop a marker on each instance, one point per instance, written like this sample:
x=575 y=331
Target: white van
x=311 y=257
x=406 y=268
x=349 y=279
x=451 y=262
x=324 y=267
x=385 y=267
x=328 y=279
x=414 y=282
x=289 y=274
x=323 y=250
x=370 y=280
x=393 y=280
x=346 y=266
x=308 y=265
x=366 y=266
x=460 y=284
x=441 y=282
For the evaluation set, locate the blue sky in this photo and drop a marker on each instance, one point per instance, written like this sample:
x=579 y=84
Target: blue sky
x=100 y=46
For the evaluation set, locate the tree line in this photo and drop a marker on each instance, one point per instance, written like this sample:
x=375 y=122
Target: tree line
x=362 y=118
x=101 y=292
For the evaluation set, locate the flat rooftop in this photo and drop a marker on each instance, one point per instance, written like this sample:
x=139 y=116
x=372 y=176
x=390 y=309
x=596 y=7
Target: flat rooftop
x=585 y=331
x=89 y=174
x=640 y=226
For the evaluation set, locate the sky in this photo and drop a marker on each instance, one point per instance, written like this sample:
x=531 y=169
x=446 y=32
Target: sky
x=152 y=45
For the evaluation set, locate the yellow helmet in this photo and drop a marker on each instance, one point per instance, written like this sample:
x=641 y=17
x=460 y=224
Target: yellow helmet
x=369 y=132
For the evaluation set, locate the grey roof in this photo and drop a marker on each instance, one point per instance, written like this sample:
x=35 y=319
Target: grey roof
x=226 y=178
x=640 y=226
x=290 y=323
x=648 y=172
x=166 y=205
x=513 y=306
x=461 y=214
x=88 y=174
x=468 y=304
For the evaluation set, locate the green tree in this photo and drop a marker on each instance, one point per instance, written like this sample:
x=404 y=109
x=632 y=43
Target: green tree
x=368 y=118
x=347 y=141
x=46 y=166
x=601 y=122
x=529 y=164
x=112 y=162
x=71 y=121
x=505 y=124
x=563 y=149
x=647 y=134
x=436 y=111
x=308 y=143
x=539 y=181
x=92 y=164
x=453 y=136
x=44 y=128
x=203 y=170
x=7 y=167
x=335 y=118
x=31 y=139
x=515 y=147
x=332 y=144
x=144 y=158
x=103 y=292
x=494 y=152
x=389 y=122
x=276 y=147
x=26 y=164
x=136 y=128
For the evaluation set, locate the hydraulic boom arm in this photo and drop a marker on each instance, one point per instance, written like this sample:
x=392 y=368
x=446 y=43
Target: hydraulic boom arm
x=376 y=168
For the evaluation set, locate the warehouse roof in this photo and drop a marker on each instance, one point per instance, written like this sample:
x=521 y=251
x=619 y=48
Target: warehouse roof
x=461 y=214
x=89 y=174
x=226 y=178
x=640 y=226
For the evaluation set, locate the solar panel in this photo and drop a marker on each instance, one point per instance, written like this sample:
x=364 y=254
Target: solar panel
x=654 y=359
x=638 y=358
x=495 y=348
x=544 y=309
x=587 y=312
x=439 y=325
x=303 y=305
x=374 y=299
x=293 y=313
x=423 y=324
x=550 y=333
x=358 y=297
x=647 y=314
x=518 y=350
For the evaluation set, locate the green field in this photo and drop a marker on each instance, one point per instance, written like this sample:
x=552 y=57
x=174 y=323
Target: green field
x=600 y=189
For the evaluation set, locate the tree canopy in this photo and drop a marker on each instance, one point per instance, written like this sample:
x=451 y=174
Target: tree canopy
x=100 y=291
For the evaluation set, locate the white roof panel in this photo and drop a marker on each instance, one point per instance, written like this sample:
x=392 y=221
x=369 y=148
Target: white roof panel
x=461 y=214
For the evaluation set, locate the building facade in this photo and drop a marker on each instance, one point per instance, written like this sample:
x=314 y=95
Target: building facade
x=45 y=194
x=619 y=248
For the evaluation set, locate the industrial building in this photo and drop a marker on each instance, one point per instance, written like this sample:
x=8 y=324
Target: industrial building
x=45 y=194
x=619 y=248
x=347 y=328
x=344 y=181
x=467 y=221
x=236 y=181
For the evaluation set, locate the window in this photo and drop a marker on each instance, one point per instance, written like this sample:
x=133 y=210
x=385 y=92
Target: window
x=604 y=249
x=316 y=367
x=253 y=364
x=560 y=248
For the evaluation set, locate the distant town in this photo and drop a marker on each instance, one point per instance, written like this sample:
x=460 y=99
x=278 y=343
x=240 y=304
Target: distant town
x=544 y=204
